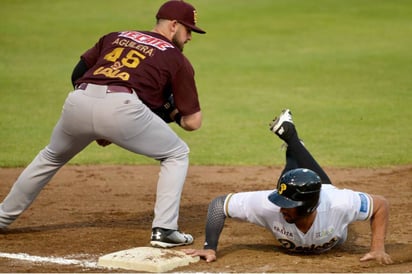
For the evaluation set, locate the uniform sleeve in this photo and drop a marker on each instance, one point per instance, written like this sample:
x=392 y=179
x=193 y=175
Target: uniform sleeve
x=253 y=207
x=184 y=89
x=235 y=205
x=353 y=205
x=364 y=206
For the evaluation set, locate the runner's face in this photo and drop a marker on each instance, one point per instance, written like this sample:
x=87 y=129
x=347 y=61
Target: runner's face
x=290 y=214
x=182 y=36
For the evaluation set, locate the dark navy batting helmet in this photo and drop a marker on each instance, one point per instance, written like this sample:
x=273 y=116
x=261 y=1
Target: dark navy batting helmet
x=298 y=188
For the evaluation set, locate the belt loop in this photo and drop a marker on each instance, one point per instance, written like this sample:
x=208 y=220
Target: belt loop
x=82 y=86
x=109 y=89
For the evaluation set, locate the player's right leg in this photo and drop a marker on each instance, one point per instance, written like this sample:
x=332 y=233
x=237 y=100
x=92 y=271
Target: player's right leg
x=296 y=154
x=136 y=128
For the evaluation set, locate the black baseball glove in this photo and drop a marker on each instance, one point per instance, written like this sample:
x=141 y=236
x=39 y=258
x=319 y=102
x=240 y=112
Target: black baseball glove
x=165 y=110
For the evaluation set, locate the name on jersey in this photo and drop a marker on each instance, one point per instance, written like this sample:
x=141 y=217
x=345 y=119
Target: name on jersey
x=146 y=39
x=149 y=51
x=283 y=231
x=318 y=235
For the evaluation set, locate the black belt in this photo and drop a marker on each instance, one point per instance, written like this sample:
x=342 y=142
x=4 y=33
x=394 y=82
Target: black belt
x=110 y=89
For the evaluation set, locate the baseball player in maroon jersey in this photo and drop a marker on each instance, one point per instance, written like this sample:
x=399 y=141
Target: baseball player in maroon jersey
x=305 y=213
x=128 y=87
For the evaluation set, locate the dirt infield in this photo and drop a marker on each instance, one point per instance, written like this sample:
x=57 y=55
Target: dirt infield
x=88 y=211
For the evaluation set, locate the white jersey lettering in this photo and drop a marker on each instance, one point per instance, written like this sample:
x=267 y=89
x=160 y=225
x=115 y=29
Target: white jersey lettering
x=146 y=39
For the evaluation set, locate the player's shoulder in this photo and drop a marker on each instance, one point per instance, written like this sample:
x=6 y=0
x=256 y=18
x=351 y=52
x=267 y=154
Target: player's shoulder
x=253 y=194
x=334 y=197
x=330 y=189
x=258 y=199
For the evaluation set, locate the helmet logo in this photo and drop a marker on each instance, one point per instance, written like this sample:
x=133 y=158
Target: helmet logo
x=282 y=188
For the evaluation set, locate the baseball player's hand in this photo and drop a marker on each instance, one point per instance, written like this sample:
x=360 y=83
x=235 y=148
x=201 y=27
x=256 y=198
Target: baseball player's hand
x=208 y=254
x=381 y=256
x=103 y=142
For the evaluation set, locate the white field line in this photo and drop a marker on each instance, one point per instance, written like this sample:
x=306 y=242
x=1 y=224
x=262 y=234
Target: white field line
x=52 y=260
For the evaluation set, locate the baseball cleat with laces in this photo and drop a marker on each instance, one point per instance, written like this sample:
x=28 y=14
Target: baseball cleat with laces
x=169 y=238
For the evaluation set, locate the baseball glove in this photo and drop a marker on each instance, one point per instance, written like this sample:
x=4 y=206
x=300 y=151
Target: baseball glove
x=165 y=110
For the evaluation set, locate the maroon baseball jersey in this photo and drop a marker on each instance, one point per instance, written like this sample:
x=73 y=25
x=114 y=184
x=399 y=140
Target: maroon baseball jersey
x=147 y=62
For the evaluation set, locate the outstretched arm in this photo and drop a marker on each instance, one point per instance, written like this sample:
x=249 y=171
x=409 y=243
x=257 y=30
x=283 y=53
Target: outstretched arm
x=379 y=224
x=214 y=226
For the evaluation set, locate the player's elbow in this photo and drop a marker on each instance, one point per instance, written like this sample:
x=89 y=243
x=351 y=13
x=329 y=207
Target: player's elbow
x=381 y=206
x=380 y=201
x=192 y=122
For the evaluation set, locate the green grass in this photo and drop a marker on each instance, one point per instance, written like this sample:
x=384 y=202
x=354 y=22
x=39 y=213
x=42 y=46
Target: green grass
x=342 y=67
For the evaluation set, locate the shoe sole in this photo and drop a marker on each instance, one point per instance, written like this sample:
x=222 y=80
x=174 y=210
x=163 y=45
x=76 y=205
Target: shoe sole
x=278 y=121
x=166 y=245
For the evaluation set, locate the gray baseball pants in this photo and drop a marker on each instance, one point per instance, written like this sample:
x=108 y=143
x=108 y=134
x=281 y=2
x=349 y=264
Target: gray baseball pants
x=122 y=119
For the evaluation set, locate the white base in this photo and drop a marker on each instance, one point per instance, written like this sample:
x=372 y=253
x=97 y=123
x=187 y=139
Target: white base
x=147 y=259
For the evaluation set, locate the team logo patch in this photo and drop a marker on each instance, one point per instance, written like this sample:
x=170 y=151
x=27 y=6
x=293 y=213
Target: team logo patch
x=195 y=16
x=282 y=188
x=364 y=206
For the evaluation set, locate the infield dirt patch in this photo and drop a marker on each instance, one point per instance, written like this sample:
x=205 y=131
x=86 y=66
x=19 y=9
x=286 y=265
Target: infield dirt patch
x=88 y=211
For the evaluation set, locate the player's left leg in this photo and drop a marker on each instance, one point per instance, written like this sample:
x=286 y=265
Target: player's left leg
x=62 y=147
x=297 y=156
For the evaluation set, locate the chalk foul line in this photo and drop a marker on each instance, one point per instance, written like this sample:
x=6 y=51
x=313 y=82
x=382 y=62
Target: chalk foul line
x=52 y=260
